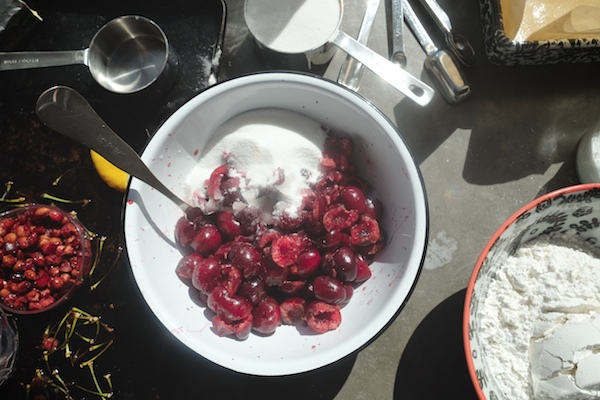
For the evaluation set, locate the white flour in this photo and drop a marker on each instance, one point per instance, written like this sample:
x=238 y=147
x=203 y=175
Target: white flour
x=546 y=284
x=275 y=153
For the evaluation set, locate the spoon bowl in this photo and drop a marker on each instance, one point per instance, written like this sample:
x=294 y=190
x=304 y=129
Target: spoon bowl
x=67 y=112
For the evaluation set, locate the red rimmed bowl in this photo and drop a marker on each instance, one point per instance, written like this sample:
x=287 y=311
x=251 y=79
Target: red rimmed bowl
x=46 y=256
x=561 y=216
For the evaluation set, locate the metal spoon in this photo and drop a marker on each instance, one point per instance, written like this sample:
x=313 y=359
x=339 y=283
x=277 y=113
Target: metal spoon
x=67 y=112
x=351 y=72
x=398 y=55
x=458 y=44
x=440 y=64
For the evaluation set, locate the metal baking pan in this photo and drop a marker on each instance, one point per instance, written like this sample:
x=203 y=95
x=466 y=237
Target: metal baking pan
x=195 y=31
x=502 y=50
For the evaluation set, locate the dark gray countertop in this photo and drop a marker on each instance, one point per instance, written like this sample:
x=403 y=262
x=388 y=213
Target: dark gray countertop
x=514 y=139
x=481 y=161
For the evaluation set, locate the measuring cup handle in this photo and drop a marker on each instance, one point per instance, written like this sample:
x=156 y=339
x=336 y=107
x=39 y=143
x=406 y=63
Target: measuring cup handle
x=37 y=59
x=410 y=86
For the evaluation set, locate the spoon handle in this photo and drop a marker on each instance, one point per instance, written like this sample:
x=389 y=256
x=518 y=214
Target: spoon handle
x=16 y=60
x=351 y=72
x=65 y=111
x=410 y=86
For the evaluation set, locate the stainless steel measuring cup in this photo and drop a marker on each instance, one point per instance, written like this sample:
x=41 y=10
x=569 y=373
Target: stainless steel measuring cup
x=308 y=31
x=126 y=55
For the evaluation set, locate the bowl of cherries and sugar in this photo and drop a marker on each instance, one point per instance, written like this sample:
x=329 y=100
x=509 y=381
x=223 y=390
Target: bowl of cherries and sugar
x=313 y=227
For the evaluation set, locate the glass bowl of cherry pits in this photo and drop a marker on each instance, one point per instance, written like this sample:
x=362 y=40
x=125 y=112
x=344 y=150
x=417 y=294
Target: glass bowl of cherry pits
x=45 y=257
x=312 y=230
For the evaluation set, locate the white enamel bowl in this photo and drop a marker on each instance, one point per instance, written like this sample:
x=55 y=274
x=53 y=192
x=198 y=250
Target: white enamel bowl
x=383 y=159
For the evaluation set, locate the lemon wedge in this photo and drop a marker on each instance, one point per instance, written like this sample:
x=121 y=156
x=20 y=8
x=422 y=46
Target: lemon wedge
x=113 y=176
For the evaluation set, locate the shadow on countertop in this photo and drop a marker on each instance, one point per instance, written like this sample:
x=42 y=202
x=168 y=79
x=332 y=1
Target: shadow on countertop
x=520 y=120
x=433 y=364
x=183 y=375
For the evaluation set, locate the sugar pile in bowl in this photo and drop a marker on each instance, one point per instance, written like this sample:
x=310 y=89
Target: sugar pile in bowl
x=540 y=321
x=276 y=154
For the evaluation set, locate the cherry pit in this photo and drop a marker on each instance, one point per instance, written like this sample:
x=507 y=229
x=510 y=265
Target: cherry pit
x=298 y=268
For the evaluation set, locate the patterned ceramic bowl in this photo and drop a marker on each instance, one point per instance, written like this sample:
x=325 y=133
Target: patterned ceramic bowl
x=563 y=213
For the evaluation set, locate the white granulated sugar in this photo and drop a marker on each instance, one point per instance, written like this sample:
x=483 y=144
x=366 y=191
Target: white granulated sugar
x=537 y=295
x=293 y=26
x=275 y=153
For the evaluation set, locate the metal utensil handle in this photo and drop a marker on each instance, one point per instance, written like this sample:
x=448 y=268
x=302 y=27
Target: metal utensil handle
x=352 y=71
x=17 y=60
x=67 y=112
x=398 y=55
x=438 y=14
x=449 y=79
x=401 y=80
x=440 y=64
x=418 y=29
x=458 y=44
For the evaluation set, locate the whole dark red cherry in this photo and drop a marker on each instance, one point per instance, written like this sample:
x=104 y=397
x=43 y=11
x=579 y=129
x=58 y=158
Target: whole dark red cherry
x=206 y=274
x=184 y=232
x=245 y=257
x=207 y=240
x=185 y=267
x=252 y=290
x=353 y=198
x=227 y=307
x=308 y=262
x=374 y=208
x=328 y=289
x=332 y=239
x=228 y=225
x=344 y=261
x=266 y=316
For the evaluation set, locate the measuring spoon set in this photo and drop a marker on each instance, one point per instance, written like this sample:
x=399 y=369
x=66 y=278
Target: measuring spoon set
x=307 y=33
x=443 y=67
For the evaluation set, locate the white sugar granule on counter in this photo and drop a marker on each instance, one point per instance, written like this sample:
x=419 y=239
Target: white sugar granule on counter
x=276 y=154
x=545 y=285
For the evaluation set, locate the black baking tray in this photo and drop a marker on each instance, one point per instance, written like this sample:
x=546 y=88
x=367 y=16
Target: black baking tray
x=42 y=166
x=195 y=30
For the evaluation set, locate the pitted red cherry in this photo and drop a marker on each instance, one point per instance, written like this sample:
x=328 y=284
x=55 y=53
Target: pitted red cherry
x=299 y=269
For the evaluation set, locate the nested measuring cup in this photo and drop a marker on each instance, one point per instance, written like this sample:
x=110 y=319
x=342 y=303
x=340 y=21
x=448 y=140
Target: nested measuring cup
x=126 y=55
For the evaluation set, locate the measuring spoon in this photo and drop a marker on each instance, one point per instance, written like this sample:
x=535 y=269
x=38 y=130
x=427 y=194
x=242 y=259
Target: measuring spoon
x=458 y=44
x=67 y=112
x=441 y=65
x=351 y=72
x=398 y=55
x=311 y=29
x=126 y=55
